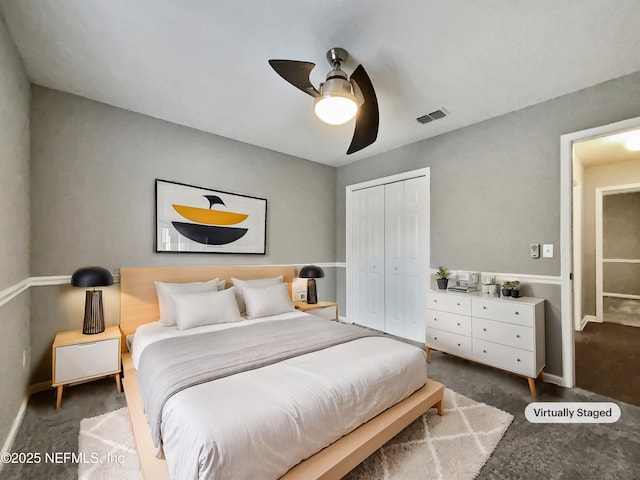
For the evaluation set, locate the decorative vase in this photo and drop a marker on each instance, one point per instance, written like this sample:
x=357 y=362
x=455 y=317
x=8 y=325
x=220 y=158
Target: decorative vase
x=442 y=283
x=515 y=293
x=506 y=292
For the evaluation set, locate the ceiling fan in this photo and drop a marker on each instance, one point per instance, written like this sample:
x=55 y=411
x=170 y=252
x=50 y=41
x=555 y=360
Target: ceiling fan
x=340 y=98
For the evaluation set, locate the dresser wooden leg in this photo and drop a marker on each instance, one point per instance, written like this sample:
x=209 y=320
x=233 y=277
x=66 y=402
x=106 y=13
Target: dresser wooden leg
x=428 y=352
x=118 y=384
x=59 y=397
x=532 y=386
x=541 y=376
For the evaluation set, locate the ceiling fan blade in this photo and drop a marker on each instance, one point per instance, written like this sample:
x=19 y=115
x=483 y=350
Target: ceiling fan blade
x=296 y=73
x=368 y=117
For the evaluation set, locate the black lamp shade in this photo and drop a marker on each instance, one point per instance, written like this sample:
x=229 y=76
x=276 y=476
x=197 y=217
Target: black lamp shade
x=91 y=277
x=93 y=311
x=311 y=272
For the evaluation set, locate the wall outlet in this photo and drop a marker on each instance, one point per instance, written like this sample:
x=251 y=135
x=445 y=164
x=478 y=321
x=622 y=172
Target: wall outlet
x=534 y=250
x=547 y=250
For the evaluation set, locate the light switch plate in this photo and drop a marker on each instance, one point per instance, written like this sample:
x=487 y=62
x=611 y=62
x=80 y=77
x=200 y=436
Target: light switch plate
x=547 y=250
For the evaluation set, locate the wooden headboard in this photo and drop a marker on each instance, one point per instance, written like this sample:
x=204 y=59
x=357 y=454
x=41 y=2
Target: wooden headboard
x=138 y=299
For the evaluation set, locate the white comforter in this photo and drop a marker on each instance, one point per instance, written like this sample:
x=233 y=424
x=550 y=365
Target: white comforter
x=258 y=424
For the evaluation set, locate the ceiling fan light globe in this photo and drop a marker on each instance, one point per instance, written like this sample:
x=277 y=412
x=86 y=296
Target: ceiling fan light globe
x=336 y=109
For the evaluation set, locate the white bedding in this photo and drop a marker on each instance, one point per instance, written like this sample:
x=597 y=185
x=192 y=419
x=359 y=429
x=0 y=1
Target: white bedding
x=260 y=423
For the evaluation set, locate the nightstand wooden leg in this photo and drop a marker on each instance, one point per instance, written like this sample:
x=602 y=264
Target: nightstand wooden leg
x=428 y=352
x=532 y=386
x=59 y=397
x=118 y=384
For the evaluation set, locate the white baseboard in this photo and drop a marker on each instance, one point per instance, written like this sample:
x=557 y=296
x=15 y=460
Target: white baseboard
x=8 y=443
x=591 y=318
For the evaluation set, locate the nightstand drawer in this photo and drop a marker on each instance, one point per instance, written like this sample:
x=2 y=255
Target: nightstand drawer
x=451 y=322
x=86 y=360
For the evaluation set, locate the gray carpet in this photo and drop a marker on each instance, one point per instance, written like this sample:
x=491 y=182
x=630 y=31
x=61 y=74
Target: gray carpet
x=527 y=451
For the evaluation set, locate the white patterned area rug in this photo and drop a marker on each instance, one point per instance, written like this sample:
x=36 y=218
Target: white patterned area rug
x=107 y=448
x=452 y=447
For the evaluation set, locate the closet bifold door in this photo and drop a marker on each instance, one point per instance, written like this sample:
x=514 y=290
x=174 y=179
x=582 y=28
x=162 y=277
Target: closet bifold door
x=416 y=256
x=394 y=233
x=368 y=257
x=406 y=228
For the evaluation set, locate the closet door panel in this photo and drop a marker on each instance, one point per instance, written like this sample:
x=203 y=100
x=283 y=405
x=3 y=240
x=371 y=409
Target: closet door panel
x=368 y=257
x=394 y=259
x=415 y=233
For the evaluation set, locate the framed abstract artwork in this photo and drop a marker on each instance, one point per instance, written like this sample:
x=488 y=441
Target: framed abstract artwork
x=192 y=219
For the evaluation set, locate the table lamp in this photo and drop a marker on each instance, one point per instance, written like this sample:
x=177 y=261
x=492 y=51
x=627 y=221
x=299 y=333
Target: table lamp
x=311 y=272
x=93 y=311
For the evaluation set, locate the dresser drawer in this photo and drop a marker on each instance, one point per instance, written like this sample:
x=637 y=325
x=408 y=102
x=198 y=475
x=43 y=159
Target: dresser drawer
x=507 y=358
x=504 y=333
x=449 y=303
x=85 y=360
x=449 y=342
x=505 y=311
x=451 y=322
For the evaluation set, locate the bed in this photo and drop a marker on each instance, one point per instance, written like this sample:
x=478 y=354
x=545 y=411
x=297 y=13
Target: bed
x=299 y=416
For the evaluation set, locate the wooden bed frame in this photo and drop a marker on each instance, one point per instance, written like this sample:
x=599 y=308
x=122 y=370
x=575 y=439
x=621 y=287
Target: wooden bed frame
x=139 y=305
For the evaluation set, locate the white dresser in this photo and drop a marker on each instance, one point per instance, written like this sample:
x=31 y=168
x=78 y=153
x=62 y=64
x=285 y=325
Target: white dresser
x=507 y=333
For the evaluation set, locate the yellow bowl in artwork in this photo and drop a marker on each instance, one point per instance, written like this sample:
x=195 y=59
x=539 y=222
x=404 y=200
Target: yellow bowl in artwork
x=210 y=217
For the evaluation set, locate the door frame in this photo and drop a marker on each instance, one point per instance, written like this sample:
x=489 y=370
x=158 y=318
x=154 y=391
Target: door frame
x=600 y=193
x=399 y=177
x=566 y=235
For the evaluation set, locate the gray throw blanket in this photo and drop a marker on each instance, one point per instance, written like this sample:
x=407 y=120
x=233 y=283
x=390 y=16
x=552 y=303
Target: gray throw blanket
x=169 y=366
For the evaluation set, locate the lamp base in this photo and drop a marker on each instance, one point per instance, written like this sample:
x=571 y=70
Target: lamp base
x=93 y=313
x=312 y=296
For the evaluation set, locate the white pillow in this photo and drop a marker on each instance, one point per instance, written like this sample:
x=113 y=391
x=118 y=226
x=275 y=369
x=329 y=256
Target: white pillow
x=165 y=302
x=267 y=301
x=205 y=308
x=260 y=282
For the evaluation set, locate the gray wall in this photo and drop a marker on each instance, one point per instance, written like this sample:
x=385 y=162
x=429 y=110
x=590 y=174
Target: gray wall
x=14 y=228
x=495 y=187
x=93 y=171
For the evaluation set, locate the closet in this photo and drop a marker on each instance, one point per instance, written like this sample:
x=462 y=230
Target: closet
x=388 y=253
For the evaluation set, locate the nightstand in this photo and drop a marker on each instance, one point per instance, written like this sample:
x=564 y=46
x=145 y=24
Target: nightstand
x=78 y=358
x=322 y=309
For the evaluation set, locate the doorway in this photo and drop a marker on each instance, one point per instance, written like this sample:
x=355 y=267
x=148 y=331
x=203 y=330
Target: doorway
x=606 y=265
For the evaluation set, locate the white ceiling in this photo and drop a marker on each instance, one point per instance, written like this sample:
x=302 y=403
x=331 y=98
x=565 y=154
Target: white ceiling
x=607 y=149
x=203 y=63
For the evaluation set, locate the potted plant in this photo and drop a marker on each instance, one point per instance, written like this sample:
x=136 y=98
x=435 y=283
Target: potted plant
x=515 y=289
x=442 y=277
x=506 y=288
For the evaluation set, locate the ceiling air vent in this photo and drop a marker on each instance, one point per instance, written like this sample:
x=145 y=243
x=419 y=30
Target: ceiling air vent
x=430 y=117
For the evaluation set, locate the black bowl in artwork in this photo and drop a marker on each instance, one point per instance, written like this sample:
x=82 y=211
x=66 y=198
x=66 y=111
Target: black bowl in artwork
x=209 y=234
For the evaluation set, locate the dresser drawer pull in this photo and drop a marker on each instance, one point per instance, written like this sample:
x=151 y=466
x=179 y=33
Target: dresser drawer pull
x=435 y=338
x=484 y=329
x=435 y=301
x=458 y=304
x=517 y=336
x=484 y=307
x=484 y=351
x=518 y=359
x=517 y=313
x=459 y=345
x=458 y=323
